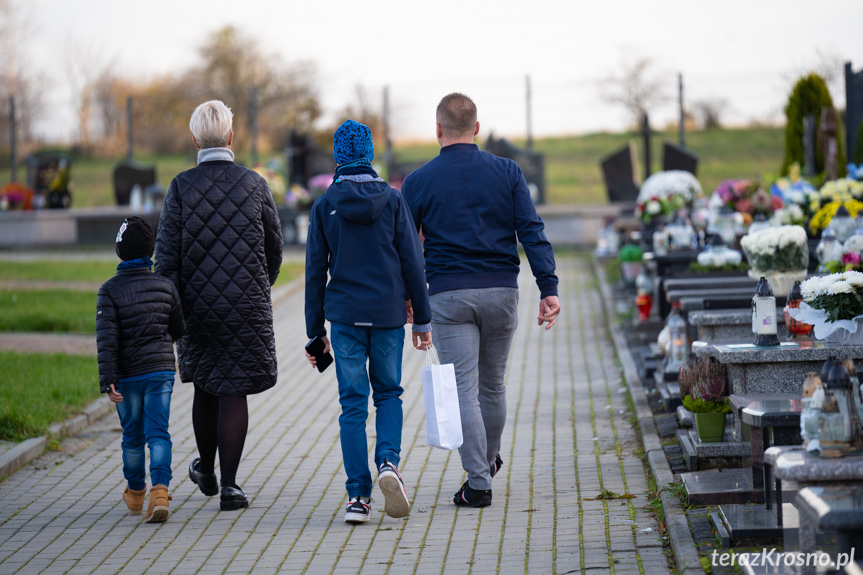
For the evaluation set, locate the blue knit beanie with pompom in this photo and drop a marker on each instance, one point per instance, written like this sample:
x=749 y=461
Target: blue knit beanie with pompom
x=352 y=143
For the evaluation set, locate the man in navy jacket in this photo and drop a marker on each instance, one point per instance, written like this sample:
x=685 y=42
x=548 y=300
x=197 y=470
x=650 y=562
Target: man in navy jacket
x=473 y=208
x=360 y=231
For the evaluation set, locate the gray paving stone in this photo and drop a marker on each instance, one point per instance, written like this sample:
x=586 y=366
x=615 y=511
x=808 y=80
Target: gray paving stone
x=64 y=510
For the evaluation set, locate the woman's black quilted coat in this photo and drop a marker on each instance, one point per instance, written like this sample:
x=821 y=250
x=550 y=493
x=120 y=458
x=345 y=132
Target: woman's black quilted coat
x=220 y=242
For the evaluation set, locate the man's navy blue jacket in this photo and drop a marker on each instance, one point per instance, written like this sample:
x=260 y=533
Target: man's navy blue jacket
x=362 y=233
x=473 y=208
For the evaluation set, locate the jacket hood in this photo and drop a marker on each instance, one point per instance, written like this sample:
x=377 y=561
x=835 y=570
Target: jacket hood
x=359 y=202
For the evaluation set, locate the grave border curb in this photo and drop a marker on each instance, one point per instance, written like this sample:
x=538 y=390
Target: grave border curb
x=683 y=545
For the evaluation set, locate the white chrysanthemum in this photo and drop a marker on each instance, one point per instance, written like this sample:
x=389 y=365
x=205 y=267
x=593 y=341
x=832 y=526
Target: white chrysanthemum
x=840 y=287
x=670 y=183
x=854 y=279
x=795 y=197
x=816 y=286
x=653 y=207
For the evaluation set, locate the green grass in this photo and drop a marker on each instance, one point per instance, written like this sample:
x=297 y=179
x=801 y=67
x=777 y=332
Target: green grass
x=63 y=310
x=44 y=270
x=48 y=310
x=94 y=270
x=572 y=163
x=93 y=186
x=41 y=389
x=572 y=171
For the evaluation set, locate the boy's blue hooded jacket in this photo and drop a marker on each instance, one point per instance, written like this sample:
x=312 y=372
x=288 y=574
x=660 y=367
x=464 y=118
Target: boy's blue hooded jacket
x=362 y=233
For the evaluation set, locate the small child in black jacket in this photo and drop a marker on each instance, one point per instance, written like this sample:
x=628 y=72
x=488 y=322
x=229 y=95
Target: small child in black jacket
x=138 y=317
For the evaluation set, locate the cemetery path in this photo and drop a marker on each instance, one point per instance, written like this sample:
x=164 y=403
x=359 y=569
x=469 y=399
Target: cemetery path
x=572 y=496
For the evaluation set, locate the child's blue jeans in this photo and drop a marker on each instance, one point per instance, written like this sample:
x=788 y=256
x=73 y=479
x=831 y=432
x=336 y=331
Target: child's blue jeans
x=368 y=358
x=144 y=415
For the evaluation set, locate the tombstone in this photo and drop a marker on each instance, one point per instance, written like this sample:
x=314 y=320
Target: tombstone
x=620 y=173
x=676 y=157
x=853 y=107
x=532 y=164
x=827 y=140
x=127 y=175
x=306 y=159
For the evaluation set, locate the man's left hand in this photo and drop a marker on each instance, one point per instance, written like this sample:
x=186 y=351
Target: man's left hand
x=549 y=309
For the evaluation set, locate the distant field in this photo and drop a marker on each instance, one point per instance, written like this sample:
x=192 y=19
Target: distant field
x=573 y=175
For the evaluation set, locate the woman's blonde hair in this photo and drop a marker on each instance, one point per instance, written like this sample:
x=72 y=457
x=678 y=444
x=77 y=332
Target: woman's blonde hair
x=211 y=124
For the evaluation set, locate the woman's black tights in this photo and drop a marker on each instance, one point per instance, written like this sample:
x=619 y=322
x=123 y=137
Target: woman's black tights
x=220 y=424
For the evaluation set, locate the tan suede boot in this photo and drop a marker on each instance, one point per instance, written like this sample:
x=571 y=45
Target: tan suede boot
x=134 y=499
x=157 y=510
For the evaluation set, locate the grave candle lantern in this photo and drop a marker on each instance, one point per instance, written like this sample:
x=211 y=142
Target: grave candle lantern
x=764 y=314
x=796 y=329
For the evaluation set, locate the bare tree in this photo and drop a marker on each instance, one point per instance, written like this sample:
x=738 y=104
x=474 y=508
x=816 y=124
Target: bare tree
x=233 y=63
x=365 y=109
x=709 y=112
x=15 y=78
x=637 y=88
x=86 y=71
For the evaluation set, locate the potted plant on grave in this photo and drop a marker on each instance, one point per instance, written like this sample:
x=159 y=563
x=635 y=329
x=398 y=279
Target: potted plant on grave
x=704 y=384
x=833 y=305
x=780 y=254
x=630 y=256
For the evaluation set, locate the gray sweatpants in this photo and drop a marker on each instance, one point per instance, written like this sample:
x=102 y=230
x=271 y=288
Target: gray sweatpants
x=473 y=330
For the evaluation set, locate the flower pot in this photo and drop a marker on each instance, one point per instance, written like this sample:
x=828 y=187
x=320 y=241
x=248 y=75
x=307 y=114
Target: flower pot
x=710 y=426
x=842 y=336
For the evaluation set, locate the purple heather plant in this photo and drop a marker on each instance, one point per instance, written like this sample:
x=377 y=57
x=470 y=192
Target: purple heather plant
x=704 y=379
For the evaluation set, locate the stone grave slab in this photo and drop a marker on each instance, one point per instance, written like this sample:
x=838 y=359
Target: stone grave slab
x=777 y=369
x=835 y=512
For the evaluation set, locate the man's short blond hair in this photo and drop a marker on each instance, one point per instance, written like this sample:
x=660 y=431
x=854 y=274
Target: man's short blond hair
x=211 y=124
x=456 y=114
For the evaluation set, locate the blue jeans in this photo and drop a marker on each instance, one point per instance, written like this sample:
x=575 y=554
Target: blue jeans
x=353 y=347
x=473 y=330
x=144 y=415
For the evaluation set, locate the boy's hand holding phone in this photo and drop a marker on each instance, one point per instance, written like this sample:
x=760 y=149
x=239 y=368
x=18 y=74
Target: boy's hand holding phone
x=318 y=352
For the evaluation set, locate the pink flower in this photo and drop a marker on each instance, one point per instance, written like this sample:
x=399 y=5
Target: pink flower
x=744 y=206
x=776 y=203
x=740 y=187
x=852 y=258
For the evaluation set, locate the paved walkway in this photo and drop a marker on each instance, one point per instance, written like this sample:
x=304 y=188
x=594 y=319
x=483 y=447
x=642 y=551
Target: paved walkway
x=568 y=439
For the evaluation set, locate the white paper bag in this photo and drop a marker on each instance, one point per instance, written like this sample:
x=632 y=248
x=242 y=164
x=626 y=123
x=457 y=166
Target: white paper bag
x=443 y=419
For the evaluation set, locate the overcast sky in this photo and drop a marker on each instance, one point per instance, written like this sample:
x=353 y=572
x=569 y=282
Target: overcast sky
x=747 y=52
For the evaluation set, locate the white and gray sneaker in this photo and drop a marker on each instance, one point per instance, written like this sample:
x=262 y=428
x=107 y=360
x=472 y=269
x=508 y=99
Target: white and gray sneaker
x=396 y=502
x=358 y=510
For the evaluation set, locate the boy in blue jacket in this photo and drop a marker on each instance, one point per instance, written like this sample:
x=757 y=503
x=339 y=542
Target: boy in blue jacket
x=362 y=234
x=138 y=318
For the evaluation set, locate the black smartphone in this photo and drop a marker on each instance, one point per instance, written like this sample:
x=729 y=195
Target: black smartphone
x=315 y=348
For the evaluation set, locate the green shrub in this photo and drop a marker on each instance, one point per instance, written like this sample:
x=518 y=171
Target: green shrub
x=809 y=96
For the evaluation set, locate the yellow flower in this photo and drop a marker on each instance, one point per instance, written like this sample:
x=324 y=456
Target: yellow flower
x=794 y=172
x=822 y=217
